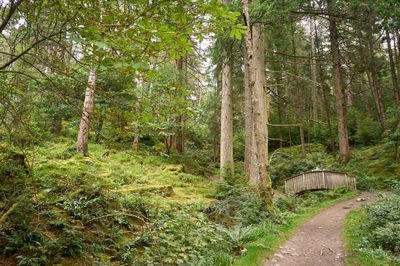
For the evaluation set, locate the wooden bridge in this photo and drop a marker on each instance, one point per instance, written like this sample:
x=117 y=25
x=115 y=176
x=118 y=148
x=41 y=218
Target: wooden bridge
x=317 y=180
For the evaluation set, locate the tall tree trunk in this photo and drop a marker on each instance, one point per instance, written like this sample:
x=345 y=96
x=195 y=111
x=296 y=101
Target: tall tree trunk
x=397 y=54
x=226 y=146
x=298 y=99
x=365 y=96
x=313 y=71
x=259 y=167
x=180 y=134
x=376 y=82
x=88 y=107
x=324 y=90
x=344 y=152
x=248 y=116
x=349 y=90
x=364 y=57
x=392 y=69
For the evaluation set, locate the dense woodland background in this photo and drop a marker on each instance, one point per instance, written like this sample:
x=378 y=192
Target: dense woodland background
x=154 y=132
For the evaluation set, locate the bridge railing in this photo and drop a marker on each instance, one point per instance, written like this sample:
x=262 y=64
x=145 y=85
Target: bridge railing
x=318 y=180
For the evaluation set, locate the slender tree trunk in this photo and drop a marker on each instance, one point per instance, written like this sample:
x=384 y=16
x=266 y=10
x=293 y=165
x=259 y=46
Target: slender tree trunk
x=226 y=146
x=368 y=70
x=392 y=68
x=248 y=115
x=376 y=82
x=397 y=52
x=349 y=89
x=259 y=167
x=314 y=71
x=365 y=96
x=344 y=152
x=180 y=134
x=88 y=107
x=298 y=99
x=280 y=111
x=226 y=152
x=324 y=89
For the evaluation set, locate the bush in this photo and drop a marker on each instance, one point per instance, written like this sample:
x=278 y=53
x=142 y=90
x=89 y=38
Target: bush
x=236 y=205
x=382 y=224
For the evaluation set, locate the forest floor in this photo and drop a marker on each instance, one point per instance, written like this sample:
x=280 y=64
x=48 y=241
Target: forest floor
x=318 y=241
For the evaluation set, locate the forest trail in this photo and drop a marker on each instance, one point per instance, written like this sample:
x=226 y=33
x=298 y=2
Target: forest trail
x=318 y=242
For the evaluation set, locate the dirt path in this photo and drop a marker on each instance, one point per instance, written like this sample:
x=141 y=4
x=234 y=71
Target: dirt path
x=318 y=242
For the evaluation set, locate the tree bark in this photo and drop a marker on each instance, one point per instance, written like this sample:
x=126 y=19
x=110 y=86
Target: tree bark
x=298 y=99
x=368 y=72
x=314 y=71
x=344 y=152
x=376 y=82
x=180 y=134
x=248 y=116
x=365 y=96
x=88 y=107
x=392 y=69
x=259 y=167
x=324 y=89
x=226 y=146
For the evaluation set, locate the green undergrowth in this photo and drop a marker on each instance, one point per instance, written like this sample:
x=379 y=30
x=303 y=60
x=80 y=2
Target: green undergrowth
x=113 y=207
x=118 y=206
x=121 y=169
x=372 y=233
x=295 y=211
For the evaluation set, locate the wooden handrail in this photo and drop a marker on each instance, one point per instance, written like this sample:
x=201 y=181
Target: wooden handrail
x=326 y=171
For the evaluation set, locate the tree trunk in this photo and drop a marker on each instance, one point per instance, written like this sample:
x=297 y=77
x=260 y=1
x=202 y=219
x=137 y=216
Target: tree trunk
x=368 y=72
x=298 y=99
x=88 y=107
x=376 y=82
x=344 y=152
x=313 y=71
x=180 y=134
x=248 y=114
x=324 y=89
x=392 y=69
x=226 y=146
x=259 y=167
x=365 y=96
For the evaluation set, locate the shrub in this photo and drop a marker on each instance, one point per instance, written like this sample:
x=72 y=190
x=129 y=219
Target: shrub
x=381 y=227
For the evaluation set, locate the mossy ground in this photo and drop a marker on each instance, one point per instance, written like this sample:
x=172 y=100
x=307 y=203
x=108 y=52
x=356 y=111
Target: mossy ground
x=121 y=170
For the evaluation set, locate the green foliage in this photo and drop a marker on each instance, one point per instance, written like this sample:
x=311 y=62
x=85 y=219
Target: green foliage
x=381 y=228
x=367 y=133
x=236 y=205
x=373 y=233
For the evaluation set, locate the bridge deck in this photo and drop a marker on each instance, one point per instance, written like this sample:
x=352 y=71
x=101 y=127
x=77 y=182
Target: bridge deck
x=318 y=180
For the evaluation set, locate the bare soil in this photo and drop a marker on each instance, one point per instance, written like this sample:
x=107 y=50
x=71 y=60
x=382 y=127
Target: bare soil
x=318 y=242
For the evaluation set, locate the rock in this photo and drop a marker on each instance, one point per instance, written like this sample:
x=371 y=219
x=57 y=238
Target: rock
x=361 y=199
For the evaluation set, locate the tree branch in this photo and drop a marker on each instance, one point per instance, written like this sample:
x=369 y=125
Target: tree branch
x=13 y=8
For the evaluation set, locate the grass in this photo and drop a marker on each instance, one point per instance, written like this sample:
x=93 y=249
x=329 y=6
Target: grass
x=352 y=238
x=267 y=245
